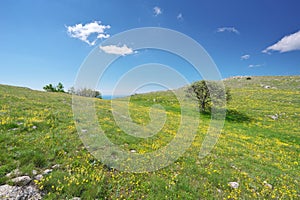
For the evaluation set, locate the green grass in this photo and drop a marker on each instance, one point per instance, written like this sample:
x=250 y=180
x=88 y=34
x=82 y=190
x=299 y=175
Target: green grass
x=252 y=148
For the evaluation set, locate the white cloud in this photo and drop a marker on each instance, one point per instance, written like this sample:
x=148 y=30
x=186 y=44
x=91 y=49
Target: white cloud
x=157 y=11
x=83 y=32
x=245 y=57
x=113 y=49
x=228 y=29
x=257 y=65
x=287 y=43
x=179 y=16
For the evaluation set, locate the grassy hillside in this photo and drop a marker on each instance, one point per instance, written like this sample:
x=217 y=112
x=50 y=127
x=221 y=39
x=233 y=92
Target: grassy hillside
x=259 y=146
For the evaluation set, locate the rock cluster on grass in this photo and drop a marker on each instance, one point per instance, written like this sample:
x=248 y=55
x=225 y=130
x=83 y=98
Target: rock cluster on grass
x=19 y=192
x=24 y=187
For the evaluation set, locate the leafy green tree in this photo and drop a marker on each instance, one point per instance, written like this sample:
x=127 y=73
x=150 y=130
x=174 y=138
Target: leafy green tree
x=208 y=93
x=60 y=87
x=49 y=88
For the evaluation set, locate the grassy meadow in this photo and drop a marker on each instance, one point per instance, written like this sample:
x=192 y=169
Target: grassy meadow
x=259 y=146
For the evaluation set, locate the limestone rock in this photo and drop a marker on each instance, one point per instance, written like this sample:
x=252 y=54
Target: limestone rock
x=234 y=185
x=21 y=180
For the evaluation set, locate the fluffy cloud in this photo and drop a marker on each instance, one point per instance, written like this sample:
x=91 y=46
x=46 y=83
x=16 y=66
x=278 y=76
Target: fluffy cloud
x=83 y=32
x=245 y=57
x=113 y=49
x=287 y=43
x=228 y=29
x=179 y=16
x=157 y=10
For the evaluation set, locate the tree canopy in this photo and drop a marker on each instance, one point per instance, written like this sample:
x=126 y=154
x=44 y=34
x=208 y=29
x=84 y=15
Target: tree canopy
x=51 y=88
x=208 y=93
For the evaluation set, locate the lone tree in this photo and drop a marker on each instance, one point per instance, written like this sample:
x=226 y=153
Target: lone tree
x=208 y=93
x=51 y=88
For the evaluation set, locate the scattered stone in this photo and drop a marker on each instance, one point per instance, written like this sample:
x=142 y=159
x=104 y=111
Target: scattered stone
x=234 y=167
x=19 y=123
x=234 y=185
x=220 y=191
x=13 y=129
x=47 y=171
x=34 y=127
x=267 y=87
x=38 y=177
x=132 y=150
x=268 y=184
x=21 y=180
x=34 y=172
x=274 y=117
x=83 y=130
x=15 y=172
x=56 y=166
x=15 y=192
x=76 y=198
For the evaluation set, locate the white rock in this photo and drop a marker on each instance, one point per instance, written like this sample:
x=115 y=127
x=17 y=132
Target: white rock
x=56 y=166
x=21 y=180
x=15 y=172
x=234 y=185
x=34 y=127
x=274 y=117
x=268 y=184
x=47 y=171
x=38 y=177
x=34 y=172
x=14 y=192
x=132 y=150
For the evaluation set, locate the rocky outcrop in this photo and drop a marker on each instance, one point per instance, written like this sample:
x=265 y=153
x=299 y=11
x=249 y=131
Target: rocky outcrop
x=29 y=192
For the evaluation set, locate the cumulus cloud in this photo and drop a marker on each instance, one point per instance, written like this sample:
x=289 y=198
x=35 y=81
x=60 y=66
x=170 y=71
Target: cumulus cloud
x=157 y=11
x=287 y=43
x=84 y=31
x=245 y=57
x=114 y=49
x=179 y=16
x=228 y=29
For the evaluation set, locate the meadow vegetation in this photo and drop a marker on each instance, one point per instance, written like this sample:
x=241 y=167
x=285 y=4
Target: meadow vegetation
x=259 y=146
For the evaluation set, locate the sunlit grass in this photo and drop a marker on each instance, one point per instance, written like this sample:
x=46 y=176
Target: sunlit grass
x=37 y=131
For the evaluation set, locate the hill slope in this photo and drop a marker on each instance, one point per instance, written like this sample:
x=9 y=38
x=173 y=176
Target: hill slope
x=259 y=147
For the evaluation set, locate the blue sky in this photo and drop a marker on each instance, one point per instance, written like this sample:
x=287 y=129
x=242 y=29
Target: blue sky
x=43 y=42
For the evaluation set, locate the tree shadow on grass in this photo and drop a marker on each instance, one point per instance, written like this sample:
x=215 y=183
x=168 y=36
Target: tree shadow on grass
x=236 y=116
x=232 y=116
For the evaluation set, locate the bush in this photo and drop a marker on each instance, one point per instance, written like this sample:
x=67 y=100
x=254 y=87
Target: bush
x=85 y=92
